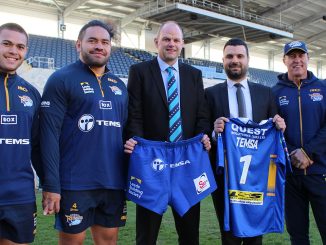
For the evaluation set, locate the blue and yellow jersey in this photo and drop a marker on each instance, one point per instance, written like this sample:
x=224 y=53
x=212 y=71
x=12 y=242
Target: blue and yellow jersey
x=19 y=104
x=255 y=163
x=82 y=117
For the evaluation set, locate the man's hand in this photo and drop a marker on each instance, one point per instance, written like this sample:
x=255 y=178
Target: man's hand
x=219 y=124
x=50 y=202
x=279 y=122
x=130 y=145
x=206 y=142
x=299 y=159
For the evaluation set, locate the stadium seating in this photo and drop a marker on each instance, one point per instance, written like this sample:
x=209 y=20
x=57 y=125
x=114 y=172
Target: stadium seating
x=43 y=50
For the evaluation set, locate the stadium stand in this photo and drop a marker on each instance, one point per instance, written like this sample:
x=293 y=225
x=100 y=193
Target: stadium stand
x=54 y=53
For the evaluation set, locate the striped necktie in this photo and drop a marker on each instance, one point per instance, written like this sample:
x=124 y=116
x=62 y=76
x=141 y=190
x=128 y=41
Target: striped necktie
x=175 y=129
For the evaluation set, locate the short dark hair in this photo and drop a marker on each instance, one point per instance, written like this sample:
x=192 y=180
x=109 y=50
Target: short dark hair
x=107 y=26
x=14 y=27
x=236 y=42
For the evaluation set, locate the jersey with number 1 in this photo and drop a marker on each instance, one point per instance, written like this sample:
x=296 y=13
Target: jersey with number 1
x=254 y=157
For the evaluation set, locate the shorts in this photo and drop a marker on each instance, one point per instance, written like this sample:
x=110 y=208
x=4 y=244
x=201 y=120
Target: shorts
x=82 y=209
x=18 y=222
x=176 y=174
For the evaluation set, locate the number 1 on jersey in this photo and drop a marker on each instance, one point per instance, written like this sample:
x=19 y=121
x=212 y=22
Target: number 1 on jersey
x=246 y=160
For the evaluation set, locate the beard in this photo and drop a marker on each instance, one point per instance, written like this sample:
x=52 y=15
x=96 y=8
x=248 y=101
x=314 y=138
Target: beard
x=90 y=61
x=236 y=75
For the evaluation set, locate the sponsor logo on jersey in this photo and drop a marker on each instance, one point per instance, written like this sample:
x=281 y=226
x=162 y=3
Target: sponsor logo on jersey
x=283 y=100
x=247 y=143
x=86 y=123
x=112 y=80
x=124 y=212
x=116 y=90
x=108 y=123
x=135 y=187
x=244 y=130
x=179 y=164
x=158 y=165
x=87 y=88
x=34 y=223
x=4 y=141
x=8 y=119
x=74 y=207
x=246 y=197
x=201 y=183
x=26 y=101
x=105 y=104
x=74 y=219
x=22 y=88
x=45 y=103
x=313 y=90
x=316 y=96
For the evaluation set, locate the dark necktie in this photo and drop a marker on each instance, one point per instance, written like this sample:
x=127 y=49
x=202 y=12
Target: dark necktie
x=241 y=101
x=175 y=128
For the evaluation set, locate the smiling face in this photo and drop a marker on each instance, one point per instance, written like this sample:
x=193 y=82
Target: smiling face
x=95 y=48
x=13 y=48
x=296 y=62
x=169 y=42
x=235 y=62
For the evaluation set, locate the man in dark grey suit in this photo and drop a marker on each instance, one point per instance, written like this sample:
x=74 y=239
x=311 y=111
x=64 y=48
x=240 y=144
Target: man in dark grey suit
x=149 y=118
x=257 y=103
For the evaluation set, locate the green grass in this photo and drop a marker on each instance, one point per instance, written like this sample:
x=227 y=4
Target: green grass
x=209 y=230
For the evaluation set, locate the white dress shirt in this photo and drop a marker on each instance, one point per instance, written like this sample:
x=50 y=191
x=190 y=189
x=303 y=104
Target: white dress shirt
x=233 y=103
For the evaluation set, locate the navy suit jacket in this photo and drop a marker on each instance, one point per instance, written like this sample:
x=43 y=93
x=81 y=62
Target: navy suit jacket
x=148 y=115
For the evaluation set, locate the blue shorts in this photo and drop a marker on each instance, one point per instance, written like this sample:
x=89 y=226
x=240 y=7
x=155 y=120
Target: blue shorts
x=18 y=222
x=162 y=173
x=82 y=209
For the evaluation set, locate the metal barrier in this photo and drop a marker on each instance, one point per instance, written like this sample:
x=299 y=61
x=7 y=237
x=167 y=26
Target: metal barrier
x=41 y=62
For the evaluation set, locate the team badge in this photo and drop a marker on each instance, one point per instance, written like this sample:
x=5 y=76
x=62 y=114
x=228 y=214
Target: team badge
x=116 y=90
x=26 y=101
x=74 y=219
x=202 y=183
x=316 y=96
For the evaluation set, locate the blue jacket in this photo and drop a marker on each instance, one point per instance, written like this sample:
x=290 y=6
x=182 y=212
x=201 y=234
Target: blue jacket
x=81 y=121
x=19 y=104
x=304 y=111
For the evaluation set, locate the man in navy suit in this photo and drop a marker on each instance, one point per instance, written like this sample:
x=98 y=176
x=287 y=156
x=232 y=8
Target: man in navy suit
x=149 y=118
x=223 y=104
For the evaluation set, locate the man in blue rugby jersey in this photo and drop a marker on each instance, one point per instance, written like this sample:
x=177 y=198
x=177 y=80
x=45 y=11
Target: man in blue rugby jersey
x=83 y=112
x=19 y=103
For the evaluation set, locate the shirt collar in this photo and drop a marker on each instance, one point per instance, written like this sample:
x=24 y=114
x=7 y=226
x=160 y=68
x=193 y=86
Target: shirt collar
x=243 y=82
x=164 y=65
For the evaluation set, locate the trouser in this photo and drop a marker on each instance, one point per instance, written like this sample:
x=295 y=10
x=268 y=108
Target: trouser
x=300 y=190
x=148 y=225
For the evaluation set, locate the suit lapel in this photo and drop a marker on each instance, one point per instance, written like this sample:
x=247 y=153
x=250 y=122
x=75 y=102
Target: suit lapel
x=155 y=69
x=183 y=77
x=225 y=99
x=254 y=102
